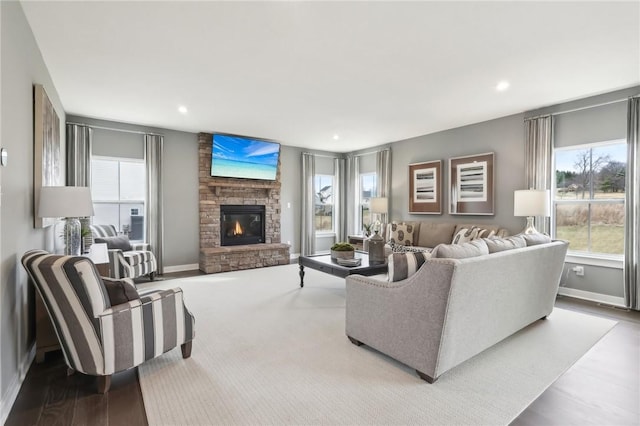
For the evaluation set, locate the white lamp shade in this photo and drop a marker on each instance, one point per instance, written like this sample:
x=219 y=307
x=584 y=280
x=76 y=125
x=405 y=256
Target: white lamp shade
x=531 y=202
x=65 y=201
x=379 y=205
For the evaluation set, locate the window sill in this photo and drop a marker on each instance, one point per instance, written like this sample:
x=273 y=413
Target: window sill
x=615 y=262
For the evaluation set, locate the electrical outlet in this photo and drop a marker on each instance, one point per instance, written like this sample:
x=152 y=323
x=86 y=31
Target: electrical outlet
x=579 y=270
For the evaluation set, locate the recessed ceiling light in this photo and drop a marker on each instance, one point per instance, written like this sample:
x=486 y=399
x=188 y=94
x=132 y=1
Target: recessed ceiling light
x=336 y=137
x=502 y=86
x=182 y=109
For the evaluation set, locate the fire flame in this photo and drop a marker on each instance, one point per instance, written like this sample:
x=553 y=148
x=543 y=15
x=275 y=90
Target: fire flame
x=238 y=229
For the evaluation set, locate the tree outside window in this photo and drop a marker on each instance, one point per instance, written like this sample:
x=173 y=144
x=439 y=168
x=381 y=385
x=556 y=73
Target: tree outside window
x=368 y=190
x=589 y=197
x=323 y=186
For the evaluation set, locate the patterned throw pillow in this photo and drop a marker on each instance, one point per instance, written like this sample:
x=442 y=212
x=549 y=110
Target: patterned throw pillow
x=399 y=248
x=497 y=244
x=465 y=235
x=401 y=233
x=403 y=265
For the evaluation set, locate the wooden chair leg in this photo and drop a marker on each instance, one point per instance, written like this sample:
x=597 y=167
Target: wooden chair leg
x=152 y=276
x=186 y=349
x=104 y=383
x=70 y=371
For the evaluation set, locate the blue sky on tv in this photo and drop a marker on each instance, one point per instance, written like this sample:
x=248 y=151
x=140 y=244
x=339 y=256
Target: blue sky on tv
x=242 y=149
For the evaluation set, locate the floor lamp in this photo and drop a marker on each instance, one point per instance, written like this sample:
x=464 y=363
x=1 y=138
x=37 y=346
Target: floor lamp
x=69 y=203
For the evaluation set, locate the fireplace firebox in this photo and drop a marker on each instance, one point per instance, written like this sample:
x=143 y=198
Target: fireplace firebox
x=240 y=224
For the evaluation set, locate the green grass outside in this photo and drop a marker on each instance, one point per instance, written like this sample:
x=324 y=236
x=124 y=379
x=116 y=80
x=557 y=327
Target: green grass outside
x=607 y=239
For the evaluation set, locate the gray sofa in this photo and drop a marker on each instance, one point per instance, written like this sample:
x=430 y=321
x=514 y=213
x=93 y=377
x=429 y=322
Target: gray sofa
x=453 y=309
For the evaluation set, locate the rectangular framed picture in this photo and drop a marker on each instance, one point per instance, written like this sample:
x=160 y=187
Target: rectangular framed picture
x=425 y=187
x=47 y=156
x=471 y=190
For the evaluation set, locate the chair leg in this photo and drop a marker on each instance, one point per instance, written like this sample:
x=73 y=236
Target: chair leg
x=186 y=349
x=152 y=276
x=104 y=383
x=70 y=371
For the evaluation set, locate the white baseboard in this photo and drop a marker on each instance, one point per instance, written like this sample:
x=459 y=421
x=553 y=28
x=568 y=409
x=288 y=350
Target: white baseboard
x=14 y=387
x=594 y=297
x=181 y=268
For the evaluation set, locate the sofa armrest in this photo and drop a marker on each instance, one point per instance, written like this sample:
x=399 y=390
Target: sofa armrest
x=402 y=319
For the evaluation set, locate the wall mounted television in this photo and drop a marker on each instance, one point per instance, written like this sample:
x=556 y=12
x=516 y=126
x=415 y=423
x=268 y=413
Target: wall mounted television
x=243 y=157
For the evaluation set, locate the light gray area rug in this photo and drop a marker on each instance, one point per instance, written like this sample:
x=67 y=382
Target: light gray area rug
x=268 y=352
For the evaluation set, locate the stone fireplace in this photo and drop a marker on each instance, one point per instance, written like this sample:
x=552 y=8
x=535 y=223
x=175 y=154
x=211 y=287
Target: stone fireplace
x=216 y=192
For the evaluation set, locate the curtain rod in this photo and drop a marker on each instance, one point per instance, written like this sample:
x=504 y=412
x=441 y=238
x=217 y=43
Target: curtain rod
x=580 y=108
x=138 y=132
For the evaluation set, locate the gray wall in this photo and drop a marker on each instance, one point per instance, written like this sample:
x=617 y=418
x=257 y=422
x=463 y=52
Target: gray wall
x=22 y=66
x=503 y=136
x=180 y=172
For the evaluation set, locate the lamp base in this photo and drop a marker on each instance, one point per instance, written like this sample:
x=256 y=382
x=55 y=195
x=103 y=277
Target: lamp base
x=530 y=228
x=67 y=236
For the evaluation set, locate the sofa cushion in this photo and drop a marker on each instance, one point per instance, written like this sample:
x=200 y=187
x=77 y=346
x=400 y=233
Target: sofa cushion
x=401 y=233
x=403 y=265
x=120 y=242
x=461 y=251
x=535 y=239
x=464 y=235
x=120 y=291
x=496 y=244
x=432 y=233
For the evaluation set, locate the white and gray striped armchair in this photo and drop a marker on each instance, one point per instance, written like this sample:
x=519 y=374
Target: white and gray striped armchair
x=104 y=326
x=126 y=262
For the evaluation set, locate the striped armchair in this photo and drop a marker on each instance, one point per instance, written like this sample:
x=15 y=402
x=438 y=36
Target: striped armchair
x=97 y=337
x=133 y=263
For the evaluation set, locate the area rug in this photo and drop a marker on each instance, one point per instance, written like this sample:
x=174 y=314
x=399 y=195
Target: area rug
x=268 y=352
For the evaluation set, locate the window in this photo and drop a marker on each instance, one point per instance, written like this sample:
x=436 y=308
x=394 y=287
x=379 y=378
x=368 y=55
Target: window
x=367 y=191
x=589 y=197
x=118 y=192
x=324 y=203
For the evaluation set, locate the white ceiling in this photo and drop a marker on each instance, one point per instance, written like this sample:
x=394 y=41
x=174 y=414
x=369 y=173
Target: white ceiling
x=300 y=72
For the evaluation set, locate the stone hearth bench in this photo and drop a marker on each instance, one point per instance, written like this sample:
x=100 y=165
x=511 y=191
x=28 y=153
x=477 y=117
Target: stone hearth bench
x=235 y=258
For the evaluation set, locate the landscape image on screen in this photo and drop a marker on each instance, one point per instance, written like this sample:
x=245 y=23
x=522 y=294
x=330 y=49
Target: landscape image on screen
x=241 y=157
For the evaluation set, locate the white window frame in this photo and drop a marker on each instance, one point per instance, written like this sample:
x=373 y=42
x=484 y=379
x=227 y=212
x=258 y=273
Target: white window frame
x=122 y=202
x=332 y=231
x=575 y=256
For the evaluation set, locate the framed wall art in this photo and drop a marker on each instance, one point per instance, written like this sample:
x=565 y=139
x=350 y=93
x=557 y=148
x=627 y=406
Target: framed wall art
x=47 y=156
x=425 y=187
x=471 y=189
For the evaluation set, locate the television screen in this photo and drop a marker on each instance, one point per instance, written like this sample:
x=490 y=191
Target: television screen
x=242 y=157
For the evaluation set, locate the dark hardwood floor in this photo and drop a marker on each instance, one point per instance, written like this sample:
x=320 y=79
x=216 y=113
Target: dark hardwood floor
x=602 y=388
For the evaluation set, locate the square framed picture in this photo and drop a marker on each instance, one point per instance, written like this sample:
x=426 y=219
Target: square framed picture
x=471 y=189
x=425 y=187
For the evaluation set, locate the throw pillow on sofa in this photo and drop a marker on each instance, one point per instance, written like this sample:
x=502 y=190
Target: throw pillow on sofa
x=120 y=242
x=465 y=235
x=497 y=244
x=535 y=239
x=399 y=248
x=120 y=290
x=460 y=251
x=403 y=265
x=401 y=233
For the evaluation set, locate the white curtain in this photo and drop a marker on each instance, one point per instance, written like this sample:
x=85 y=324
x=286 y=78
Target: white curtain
x=632 y=219
x=308 y=231
x=538 y=146
x=154 y=218
x=383 y=175
x=340 y=199
x=354 y=223
x=79 y=155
